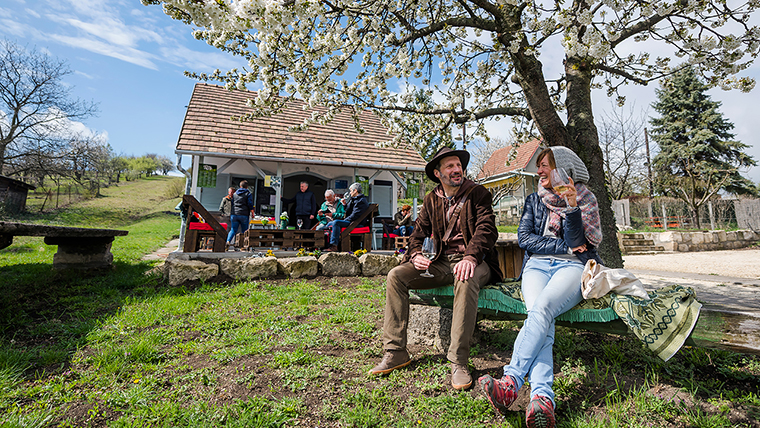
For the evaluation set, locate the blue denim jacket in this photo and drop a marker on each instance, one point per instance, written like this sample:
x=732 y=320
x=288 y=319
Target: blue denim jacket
x=531 y=229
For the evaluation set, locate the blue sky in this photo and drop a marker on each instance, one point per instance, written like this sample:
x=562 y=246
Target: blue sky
x=126 y=57
x=130 y=59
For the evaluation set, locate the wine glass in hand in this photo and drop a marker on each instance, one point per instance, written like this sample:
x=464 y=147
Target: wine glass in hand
x=428 y=251
x=559 y=179
x=299 y=222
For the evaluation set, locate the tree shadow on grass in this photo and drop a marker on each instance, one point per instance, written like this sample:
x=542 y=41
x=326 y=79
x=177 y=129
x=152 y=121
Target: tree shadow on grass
x=46 y=315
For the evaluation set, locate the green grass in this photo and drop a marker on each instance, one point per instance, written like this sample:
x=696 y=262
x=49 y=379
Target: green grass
x=122 y=349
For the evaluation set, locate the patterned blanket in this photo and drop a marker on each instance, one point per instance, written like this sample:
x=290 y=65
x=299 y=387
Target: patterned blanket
x=663 y=322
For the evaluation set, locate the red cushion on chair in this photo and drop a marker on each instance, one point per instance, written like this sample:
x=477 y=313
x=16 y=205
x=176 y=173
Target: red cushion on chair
x=390 y=235
x=194 y=225
x=364 y=229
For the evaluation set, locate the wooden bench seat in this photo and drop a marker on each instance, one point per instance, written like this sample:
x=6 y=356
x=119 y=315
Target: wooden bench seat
x=78 y=247
x=194 y=234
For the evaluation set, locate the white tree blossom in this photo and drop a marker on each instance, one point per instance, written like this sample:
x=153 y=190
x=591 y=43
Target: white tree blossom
x=304 y=48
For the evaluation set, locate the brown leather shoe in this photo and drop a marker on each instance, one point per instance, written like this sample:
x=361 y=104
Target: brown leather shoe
x=460 y=377
x=391 y=361
x=332 y=249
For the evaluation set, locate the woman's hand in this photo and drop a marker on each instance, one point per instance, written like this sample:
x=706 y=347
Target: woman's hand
x=570 y=194
x=581 y=249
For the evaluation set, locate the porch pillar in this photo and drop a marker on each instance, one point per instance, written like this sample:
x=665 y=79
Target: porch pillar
x=278 y=194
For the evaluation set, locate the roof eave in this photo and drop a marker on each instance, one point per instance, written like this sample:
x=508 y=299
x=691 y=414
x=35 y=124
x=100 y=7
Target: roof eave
x=507 y=175
x=304 y=161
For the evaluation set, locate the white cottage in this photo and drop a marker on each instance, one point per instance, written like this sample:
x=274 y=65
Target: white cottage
x=224 y=151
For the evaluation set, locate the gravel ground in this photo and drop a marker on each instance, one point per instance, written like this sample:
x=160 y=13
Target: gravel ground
x=732 y=263
x=724 y=280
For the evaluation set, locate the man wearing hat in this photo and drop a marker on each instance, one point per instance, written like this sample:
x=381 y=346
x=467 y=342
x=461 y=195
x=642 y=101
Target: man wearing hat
x=459 y=217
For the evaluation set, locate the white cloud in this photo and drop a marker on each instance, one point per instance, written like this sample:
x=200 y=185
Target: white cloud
x=32 y=12
x=134 y=56
x=199 y=61
x=111 y=30
x=14 y=28
x=83 y=74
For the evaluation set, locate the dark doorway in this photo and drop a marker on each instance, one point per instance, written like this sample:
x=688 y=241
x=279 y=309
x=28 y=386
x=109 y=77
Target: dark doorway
x=291 y=186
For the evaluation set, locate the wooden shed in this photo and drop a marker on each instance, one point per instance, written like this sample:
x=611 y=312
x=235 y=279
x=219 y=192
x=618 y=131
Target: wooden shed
x=13 y=194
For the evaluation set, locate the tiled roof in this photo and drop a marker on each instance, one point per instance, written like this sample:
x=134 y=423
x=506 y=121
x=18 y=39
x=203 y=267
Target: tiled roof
x=208 y=128
x=497 y=163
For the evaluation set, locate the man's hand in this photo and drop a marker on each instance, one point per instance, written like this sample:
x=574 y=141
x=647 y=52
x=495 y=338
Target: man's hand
x=465 y=269
x=311 y=216
x=420 y=262
x=580 y=249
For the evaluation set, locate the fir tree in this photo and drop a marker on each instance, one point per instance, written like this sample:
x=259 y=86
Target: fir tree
x=698 y=154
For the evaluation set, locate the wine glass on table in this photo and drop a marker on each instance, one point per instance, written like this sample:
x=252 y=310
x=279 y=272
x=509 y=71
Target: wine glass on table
x=560 y=180
x=428 y=251
x=299 y=222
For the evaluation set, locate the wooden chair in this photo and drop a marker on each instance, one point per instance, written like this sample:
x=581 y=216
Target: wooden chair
x=196 y=230
x=389 y=238
x=360 y=235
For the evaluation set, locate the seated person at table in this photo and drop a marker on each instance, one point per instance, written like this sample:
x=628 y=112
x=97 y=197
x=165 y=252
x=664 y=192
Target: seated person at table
x=402 y=221
x=332 y=209
x=355 y=207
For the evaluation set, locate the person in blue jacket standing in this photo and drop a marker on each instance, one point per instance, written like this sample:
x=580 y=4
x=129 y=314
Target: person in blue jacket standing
x=559 y=232
x=242 y=207
x=306 y=205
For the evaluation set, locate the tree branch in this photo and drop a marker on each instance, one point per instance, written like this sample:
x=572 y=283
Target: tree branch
x=620 y=73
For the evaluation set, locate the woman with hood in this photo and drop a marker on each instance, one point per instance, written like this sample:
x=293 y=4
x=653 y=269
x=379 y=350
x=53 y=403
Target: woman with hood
x=559 y=232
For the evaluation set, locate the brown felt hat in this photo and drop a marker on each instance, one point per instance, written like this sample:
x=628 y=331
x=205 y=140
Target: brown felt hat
x=444 y=152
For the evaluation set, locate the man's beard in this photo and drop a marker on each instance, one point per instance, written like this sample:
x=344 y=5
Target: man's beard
x=450 y=182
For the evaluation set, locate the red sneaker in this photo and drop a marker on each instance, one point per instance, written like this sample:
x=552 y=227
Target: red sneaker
x=540 y=413
x=500 y=393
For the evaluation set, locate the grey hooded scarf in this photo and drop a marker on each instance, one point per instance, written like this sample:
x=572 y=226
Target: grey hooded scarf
x=572 y=164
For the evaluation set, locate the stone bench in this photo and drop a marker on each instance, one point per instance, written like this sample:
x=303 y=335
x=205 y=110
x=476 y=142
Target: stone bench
x=78 y=247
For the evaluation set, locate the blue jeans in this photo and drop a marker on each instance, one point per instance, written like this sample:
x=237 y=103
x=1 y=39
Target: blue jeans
x=337 y=225
x=238 y=222
x=403 y=230
x=550 y=287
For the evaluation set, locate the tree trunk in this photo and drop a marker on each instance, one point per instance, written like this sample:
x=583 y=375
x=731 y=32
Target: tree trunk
x=584 y=141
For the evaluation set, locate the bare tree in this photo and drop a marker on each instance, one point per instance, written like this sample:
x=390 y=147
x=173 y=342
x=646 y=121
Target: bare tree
x=35 y=106
x=480 y=152
x=621 y=138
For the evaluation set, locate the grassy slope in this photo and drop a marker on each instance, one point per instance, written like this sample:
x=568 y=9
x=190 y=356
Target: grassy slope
x=121 y=349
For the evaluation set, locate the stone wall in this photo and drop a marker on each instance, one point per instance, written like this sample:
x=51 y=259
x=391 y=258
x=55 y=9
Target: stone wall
x=181 y=268
x=703 y=241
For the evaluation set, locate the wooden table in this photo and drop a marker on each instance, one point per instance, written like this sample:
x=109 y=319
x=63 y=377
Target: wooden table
x=281 y=238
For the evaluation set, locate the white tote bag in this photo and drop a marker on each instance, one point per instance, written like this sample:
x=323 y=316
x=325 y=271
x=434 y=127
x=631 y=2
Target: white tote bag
x=598 y=280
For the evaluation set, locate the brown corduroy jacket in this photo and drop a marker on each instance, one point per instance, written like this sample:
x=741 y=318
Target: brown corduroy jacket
x=476 y=221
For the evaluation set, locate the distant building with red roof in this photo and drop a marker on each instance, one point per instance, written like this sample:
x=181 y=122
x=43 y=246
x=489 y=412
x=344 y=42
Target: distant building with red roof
x=510 y=174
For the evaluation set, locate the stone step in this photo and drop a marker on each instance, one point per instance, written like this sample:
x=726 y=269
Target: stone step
x=632 y=242
x=635 y=248
x=642 y=253
x=627 y=236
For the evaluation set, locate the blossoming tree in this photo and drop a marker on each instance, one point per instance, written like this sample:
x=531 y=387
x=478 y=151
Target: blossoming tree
x=478 y=59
